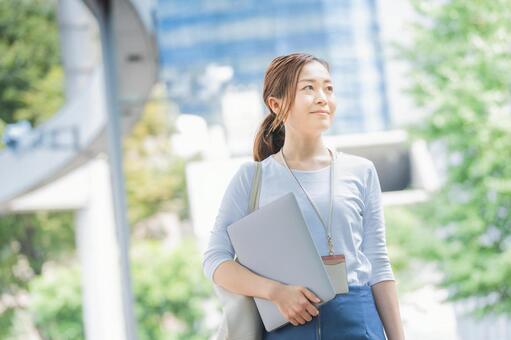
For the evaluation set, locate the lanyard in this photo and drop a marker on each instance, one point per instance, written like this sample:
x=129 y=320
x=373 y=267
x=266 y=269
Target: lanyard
x=328 y=229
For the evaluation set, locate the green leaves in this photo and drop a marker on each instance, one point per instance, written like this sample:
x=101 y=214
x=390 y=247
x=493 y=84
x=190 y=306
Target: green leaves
x=169 y=284
x=169 y=291
x=155 y=177
x=30 y=61
x=56 y=303
x=27 y=243
x=460 y=75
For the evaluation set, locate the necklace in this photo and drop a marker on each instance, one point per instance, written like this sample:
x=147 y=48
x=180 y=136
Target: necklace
x=327 y=227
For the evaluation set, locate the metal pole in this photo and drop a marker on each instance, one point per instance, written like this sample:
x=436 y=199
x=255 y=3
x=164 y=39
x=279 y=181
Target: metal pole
x=108 y=45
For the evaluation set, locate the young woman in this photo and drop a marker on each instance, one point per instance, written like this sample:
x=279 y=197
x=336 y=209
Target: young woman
x=299 y=94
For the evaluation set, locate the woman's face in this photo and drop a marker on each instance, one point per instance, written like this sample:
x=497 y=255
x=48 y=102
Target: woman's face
x=314 y=107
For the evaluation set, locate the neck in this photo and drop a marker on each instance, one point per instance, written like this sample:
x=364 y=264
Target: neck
x=300 y=148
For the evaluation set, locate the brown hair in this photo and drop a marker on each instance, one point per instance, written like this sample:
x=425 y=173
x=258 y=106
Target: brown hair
x=280 y=81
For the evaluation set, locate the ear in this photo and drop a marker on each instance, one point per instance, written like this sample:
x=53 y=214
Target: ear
x=275 y=104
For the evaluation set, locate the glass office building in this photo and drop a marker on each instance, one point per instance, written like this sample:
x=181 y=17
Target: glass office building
x=210 y=46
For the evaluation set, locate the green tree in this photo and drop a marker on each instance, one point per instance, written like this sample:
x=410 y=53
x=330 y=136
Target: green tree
x=30 y=71
x=155 y=177
x=27 y=242
x=56 y=303
x=169 y=291
x=460 y=75
x=30 y=88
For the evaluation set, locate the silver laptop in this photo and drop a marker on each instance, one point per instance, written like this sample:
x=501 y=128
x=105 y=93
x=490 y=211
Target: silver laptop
x=274 y=242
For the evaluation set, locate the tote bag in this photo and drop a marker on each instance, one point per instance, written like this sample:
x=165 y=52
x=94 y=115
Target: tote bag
x=240 y=317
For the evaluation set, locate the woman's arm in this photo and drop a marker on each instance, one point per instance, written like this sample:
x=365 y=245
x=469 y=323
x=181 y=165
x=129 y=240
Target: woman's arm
x=218 y=257
x=385 y=296
x=238 y=279
x=374 y=247
x=296 y=303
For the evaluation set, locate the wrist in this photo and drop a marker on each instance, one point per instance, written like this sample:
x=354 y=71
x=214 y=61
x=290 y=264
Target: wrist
x=272 y=289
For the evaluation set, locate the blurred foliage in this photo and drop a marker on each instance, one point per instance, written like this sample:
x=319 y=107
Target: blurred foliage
x=27 y=242
x=6 y=321
x=30 y=88
x=460 y=76
x=44 y=99
x=169 y=291
x=36 y=248
x=155 y=177
x=410 y=244
x=56 y=303
x=30 y=73
x=2 y=127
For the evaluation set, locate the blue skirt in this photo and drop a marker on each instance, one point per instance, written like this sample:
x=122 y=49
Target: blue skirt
x=350 y=316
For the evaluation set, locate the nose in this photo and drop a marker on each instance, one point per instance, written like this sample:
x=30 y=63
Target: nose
x=320 y=97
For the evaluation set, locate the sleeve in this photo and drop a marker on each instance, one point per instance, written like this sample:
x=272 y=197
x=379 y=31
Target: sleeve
x=234 y=206
x=374 y=243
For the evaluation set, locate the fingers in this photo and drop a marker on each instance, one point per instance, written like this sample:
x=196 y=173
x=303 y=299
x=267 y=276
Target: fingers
x=312 y=310
x=303 y=312
x=302 y=309
x=310 y=295
x=308 y=308
x=298 y=318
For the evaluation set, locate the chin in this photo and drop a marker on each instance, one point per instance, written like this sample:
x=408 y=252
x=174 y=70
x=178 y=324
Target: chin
x=320 y=129
x=325 y=125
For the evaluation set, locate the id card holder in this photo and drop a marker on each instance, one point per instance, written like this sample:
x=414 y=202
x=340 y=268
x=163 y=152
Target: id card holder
x=335 y=266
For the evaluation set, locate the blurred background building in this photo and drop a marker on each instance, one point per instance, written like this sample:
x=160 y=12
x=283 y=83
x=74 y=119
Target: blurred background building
x=214 y=54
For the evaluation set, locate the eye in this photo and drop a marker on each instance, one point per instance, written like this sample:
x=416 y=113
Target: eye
x=308 y=87
x=330 y=88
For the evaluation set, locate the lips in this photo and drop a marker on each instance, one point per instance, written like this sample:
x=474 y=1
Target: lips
x=325 y=113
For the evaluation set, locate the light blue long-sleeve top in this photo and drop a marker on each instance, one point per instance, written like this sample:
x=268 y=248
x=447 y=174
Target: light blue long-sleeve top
x=358 y=226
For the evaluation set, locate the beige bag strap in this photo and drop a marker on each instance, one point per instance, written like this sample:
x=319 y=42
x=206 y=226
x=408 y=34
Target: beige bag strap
x=256 y=189
x=253 y=203
x=241 y=319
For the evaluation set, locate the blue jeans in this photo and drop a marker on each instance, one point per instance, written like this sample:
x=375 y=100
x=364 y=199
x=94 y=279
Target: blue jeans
x=350 y=316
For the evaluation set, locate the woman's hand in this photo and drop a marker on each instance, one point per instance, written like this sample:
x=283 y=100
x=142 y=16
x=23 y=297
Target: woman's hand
x=295 y=303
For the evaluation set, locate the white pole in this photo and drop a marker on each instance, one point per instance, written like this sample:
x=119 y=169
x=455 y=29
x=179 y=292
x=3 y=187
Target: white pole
x=108 y=47
x=100 y=236
x=99 y=258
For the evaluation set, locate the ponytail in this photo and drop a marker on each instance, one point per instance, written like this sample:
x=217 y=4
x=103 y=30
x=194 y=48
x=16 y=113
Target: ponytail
x=269 y=139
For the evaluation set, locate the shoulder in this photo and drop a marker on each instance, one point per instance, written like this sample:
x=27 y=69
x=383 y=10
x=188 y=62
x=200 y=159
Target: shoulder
x=240 y=182
x=246 y=170
x=244 y=176
x=365 y=170
x=357 y=165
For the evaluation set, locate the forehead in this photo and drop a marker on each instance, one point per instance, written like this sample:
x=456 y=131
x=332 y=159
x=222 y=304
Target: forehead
x=314 y=71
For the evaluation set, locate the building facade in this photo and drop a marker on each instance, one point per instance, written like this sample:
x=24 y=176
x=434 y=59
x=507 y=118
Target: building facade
x=210 y=49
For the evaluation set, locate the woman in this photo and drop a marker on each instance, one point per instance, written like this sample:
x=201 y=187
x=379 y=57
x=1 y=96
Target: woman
x=299 y=94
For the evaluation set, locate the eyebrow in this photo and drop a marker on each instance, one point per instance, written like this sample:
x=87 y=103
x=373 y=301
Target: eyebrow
x=313 y=80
